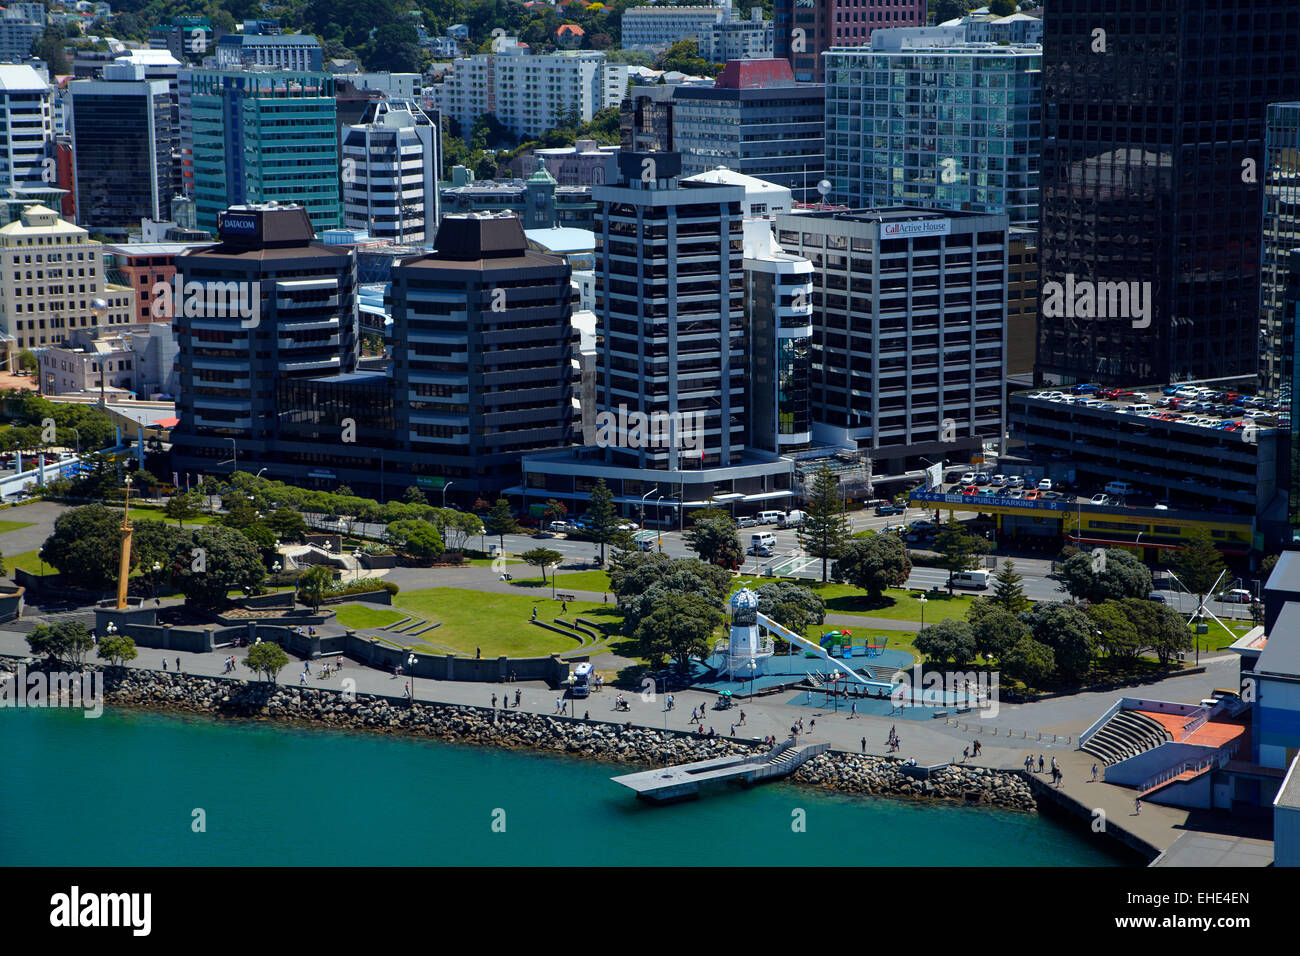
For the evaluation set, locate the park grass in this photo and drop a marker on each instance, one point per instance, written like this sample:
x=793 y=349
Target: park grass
x=595 y=581
x=897 y=604
x=359 y=616
x=1218 y=638
x=28 y=561
x=157 y=514
x=495 y=623
x=6 y=526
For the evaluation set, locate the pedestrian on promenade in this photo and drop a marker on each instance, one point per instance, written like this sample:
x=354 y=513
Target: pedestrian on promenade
x=494 y=701
x=164 y=663
x=977 y=748
x=557 y=705
x=302 y=678
x=338 y=665
x=808 y=698
x=1040 y=763
x=1137 y=807
x=1054 y=765
x=742 y=718
x=399 y=670
x=518 y=696
x=564 y=606
x=478 y=653
x=1060 y=779
x=812 y=724
x=853 y=711
x=965 y=752
x=306 y=665
x=733 y=730
x=564 y=708
x=408 y=690
x=1094 y=773
x=864 y=744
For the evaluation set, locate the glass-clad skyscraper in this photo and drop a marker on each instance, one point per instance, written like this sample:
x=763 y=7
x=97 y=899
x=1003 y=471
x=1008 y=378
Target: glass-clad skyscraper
x=922 y=118
x=1152 y=119
x=1281 y=185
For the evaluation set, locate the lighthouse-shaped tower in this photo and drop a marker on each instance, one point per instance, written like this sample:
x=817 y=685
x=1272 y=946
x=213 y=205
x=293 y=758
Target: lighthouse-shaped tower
x=747 y=641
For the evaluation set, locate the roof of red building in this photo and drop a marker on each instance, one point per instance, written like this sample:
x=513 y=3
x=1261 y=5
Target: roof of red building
x=571 y=28
x=755 y=74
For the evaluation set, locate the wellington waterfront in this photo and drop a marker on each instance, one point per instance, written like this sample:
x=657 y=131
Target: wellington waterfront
x=141 y=788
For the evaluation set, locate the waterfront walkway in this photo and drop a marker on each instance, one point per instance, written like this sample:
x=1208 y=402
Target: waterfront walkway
x=929 y=742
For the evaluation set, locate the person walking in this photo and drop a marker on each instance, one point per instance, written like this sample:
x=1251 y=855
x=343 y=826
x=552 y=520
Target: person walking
x=518 y=696
x=564 y=606
x=557 y=705
x=586 y=715
x=1137 y=807
x=1040 y=763
x=164 y=663
x=965 y=752
x=178 y=665
x=853 y=711
x=1094 y=773
x=494 y=701
x=864 y=744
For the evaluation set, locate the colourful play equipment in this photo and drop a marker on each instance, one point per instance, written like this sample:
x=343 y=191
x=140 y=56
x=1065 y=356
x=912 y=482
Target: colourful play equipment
x=840 y=644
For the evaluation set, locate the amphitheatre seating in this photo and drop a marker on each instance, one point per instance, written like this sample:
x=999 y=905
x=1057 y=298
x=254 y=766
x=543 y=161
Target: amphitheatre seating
x=1127 y=734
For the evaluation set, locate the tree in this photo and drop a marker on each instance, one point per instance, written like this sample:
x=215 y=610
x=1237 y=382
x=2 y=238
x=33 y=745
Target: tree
x=26 y=360
x=791 y=605
x=1161 y=629
x=640 y=580
x=413 y=495
x=455 y=527
x=1198 y=564
x=873 y=564
x=825 y=527
x=1105 y=575
x=183 y=507
x=715 y=539
x=1117 y=634
x=679 y=628
x=542 y=558
x=65 y=641
x=957 y=549
x=602 y=516
x=315 y=584
x=265 y=658
x=1002 y=8
x=950 y=640
x=49 y=47
x=240 y=512
x=85 y=545
x=500 y=521
x=995 y=629
x=287 y=524
x=1030 y=661
x=1267 y=565
x=1068 y=632
x=554 y=510
x=117 y=649
x=1008 y=591
x=220 y=560
x=941 y=11
x=419 y=539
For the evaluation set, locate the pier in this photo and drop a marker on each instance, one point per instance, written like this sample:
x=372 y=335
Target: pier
x=677 y=783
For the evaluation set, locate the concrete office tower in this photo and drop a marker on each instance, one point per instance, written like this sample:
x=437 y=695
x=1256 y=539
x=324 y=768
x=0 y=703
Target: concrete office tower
x=1289 y=319
x=1280 y=179
x=38 y=306
x=304 y=327
x=21 y=25
x=263 y=137
x=391 y=164
x=909 y=330
x=276 y=51
x=806 y=29
x=528 y=92
x=123 y=138
x=26 y=128
x=655 y=29
x=1153 y=133
x=162 y=65
x=670 y=308
x=899 y=127
x=483 y=367
x=755 y=120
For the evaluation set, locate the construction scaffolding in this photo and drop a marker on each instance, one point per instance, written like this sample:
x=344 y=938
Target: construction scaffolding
x=852 y=470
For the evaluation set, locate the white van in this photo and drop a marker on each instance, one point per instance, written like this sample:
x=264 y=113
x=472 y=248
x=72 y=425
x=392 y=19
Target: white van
x=770 y=517
x=793 y=520
x=1120 y=488
x=762 y=543
x=971 y=579
x=1140 y=408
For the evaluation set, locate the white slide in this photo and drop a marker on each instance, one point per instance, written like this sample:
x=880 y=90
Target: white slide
x=793 y=638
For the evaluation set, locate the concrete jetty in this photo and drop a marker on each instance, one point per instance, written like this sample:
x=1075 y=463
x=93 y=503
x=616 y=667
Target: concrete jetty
x=676 y=783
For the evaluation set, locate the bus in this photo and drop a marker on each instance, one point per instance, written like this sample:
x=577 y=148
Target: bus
x=580 y=686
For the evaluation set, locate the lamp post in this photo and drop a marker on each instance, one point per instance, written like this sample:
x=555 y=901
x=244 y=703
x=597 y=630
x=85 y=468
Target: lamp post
x=444 y=492
x=411 y=661
x=643 y=498
x=922 y=601
x=154 y=578
x=753 y=667
x=553 y=568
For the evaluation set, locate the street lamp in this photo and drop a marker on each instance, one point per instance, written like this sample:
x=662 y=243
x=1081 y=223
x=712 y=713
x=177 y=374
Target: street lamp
x=259 y=473
x=922 y=601
x=155 y=569
x=753 y=667
x=444 y=492
x=643 y=498
x=553 y=568
x=411 y=661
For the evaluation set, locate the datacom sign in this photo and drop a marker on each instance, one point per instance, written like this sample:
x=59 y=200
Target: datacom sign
x=236 y=225
x=913 y=229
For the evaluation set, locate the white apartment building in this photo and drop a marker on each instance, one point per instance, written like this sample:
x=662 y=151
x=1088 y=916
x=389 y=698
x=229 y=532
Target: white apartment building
x=279 y=51
x=391 y=161
x=736 y=39
x=51 y=273
x=26 y=128
x=529 y=93
x=655 y=29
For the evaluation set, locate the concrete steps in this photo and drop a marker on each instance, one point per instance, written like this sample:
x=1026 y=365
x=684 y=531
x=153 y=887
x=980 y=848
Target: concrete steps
x=1126 y=735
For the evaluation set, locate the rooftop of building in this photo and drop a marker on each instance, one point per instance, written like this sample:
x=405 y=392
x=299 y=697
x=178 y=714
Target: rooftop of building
x=1281 y=655
x=1184 y=403
x=753 y=74
x=154 y=248
x=1288 y=795
x=486 y=241
x=21 y=78
x=1285 y=576
x=562 y=240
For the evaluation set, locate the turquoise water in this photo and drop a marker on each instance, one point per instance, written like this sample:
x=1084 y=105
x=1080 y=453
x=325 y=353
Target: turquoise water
x=122 y=790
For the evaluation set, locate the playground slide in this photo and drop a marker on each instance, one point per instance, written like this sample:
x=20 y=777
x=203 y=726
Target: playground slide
x=818 y=650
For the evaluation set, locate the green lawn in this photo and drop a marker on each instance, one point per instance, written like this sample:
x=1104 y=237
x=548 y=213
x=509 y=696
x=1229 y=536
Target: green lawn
x=28 y=561
x=6 y=526
x=1218 y=638
x=358 y=616
x=597 y=581
x=897 y=604
x=157 y=514
x=495 y=623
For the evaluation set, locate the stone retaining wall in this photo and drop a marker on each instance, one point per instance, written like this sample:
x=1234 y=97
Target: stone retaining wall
x=601 y=740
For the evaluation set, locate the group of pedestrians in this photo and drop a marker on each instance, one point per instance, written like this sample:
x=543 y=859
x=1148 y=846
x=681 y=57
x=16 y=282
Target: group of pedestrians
x=892 y=742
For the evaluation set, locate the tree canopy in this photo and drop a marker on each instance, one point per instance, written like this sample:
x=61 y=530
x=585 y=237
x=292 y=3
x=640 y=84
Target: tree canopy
x=873 y=564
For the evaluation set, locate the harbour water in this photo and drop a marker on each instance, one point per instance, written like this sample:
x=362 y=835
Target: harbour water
x=132 y=788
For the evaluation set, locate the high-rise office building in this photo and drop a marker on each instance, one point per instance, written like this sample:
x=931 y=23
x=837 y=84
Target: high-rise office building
x=391 y=163
x=123 y=139
x=262 y=136
x=276 y=51
x=901 y=127
x=1280 y=180
x=1152 y=124
x=26 y=128
x=909 y=330
x=805 y=29
x=483 y=369
x=755 y=120
x=275 y=307
x=21 y=25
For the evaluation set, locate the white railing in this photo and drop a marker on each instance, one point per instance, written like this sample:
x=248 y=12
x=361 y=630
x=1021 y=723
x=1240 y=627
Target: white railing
x=1194 y=724
x=1196 y=764
x=1100 y=722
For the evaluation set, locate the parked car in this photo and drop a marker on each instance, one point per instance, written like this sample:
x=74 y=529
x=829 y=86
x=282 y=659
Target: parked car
x=747 y=522
x=1016 y=481
x=999 y=481
x=1158 y=598
x=982 y=479
x=1236 y=596
x=968 y=478
x=1045 y=484
x=1100 y=500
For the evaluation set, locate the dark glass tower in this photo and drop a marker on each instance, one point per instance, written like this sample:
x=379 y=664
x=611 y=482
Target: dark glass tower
x=1150 y=115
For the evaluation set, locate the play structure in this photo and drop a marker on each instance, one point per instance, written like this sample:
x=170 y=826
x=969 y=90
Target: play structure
x=840 y=644
x=750 y=645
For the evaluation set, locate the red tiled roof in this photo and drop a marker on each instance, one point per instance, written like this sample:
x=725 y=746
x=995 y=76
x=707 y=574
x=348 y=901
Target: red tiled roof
x=571 y=28
x=755 y=74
